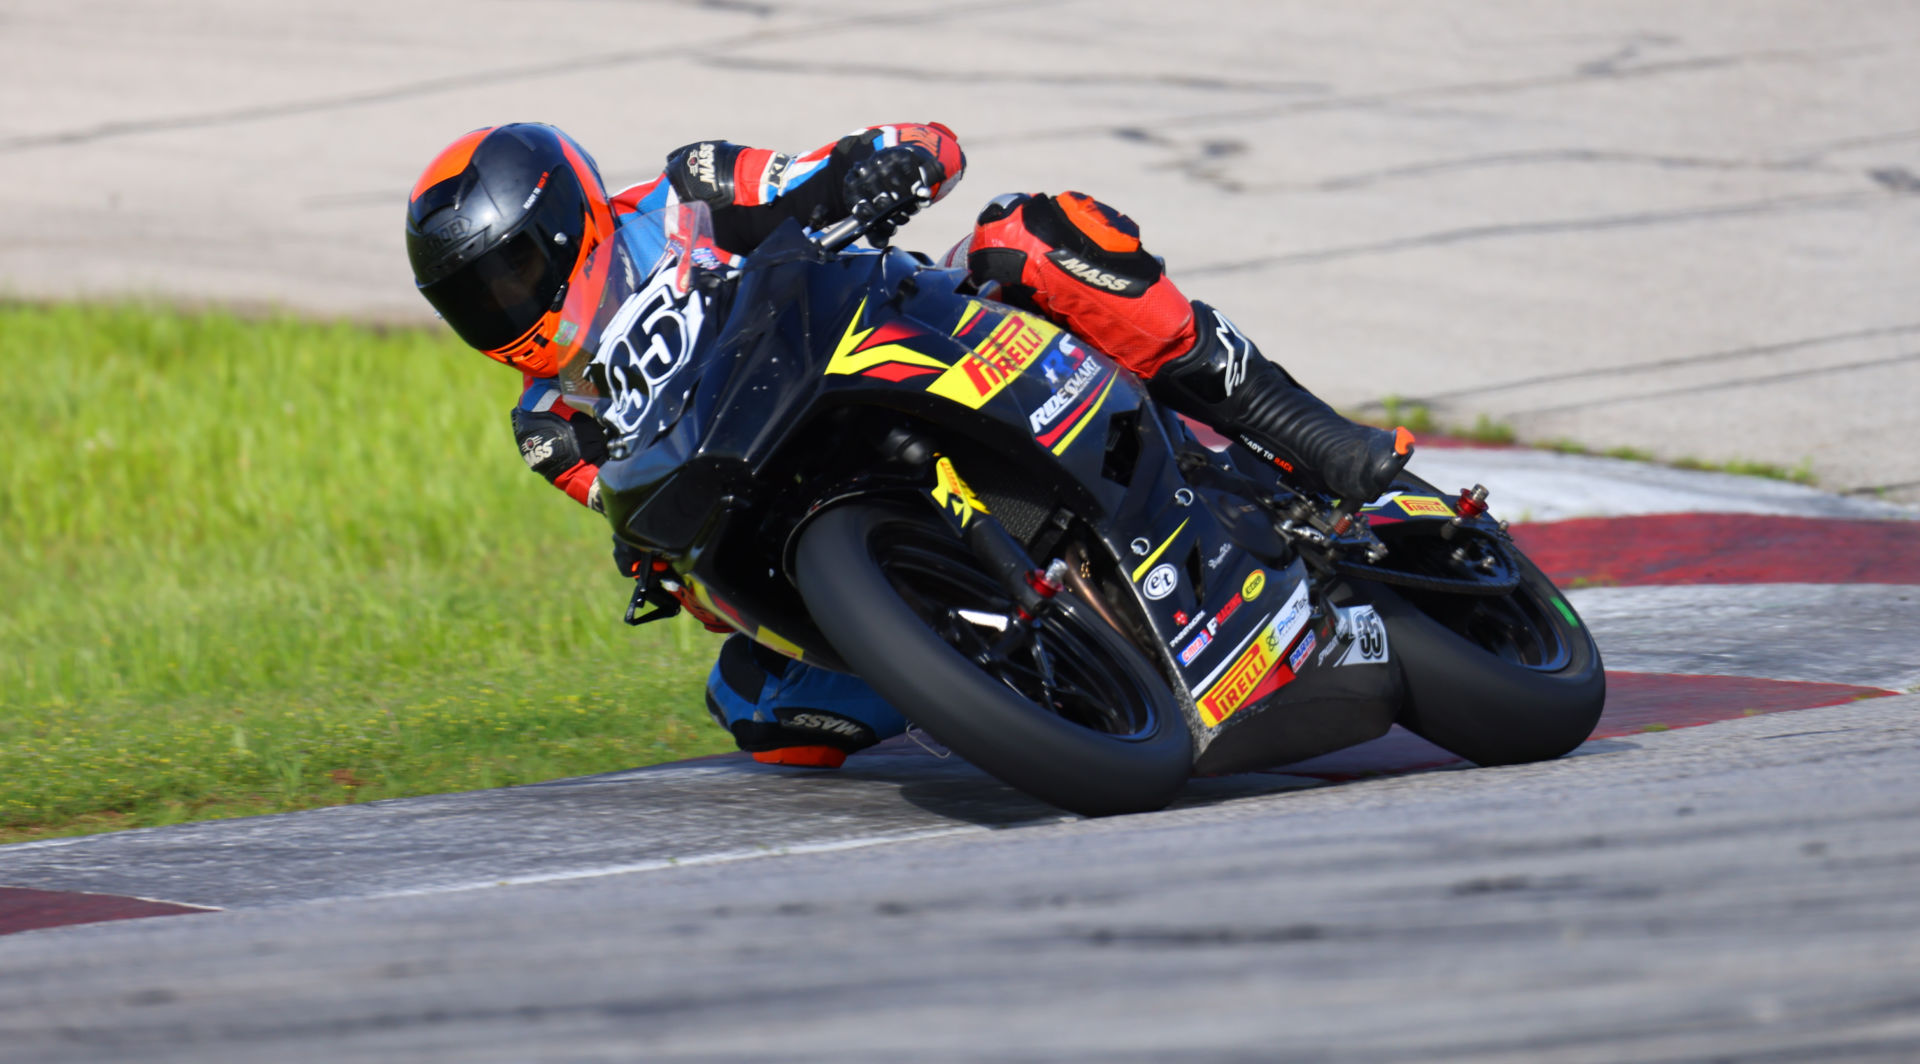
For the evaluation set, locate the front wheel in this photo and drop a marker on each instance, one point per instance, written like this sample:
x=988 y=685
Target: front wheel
x=1059 y=706
x=1498 y=680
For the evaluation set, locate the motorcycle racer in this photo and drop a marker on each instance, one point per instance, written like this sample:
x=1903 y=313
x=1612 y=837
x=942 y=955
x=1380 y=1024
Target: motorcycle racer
x=502 y=224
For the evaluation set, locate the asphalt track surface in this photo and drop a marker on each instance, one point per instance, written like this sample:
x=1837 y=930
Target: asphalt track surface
x=1737 y=890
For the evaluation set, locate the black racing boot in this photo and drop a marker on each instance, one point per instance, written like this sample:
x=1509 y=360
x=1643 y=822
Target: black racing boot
x=1225 y=382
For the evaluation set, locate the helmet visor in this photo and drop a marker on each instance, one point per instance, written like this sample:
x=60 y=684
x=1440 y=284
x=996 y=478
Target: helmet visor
x=494 y=299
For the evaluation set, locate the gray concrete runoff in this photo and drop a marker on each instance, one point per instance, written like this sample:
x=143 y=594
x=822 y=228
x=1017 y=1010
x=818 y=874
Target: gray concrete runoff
x=1688 y=228
x=1736 y=892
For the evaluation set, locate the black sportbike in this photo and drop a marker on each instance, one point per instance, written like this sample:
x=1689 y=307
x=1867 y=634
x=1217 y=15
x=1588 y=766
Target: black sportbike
x=860 y=463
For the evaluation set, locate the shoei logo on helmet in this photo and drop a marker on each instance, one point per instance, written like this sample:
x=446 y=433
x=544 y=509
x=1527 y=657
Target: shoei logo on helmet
x=442 y=240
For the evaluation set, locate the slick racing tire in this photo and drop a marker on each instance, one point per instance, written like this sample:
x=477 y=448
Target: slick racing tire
x=1498 y=681
x=1062 y=708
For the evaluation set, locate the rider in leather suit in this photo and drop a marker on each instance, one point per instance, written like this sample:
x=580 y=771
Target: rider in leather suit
x=502 y=221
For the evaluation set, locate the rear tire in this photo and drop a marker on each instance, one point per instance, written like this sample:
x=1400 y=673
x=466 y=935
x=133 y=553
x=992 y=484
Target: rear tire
x=1506 y=680
x=885 y=585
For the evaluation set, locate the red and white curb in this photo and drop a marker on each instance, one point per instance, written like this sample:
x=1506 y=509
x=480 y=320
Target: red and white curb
x=1712 y=596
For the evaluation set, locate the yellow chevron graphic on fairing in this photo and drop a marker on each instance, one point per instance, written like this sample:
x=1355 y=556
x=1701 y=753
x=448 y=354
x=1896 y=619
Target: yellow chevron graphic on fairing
x=849 y=358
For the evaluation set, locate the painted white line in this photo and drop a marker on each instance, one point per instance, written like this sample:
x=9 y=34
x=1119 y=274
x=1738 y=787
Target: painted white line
x=723 y=857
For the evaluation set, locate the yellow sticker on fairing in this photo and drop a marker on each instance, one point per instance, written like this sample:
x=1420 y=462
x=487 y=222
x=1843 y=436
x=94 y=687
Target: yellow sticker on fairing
x=1423 y=506
x=1236 y=687
x=1013 y=345
x=772 y=640
x=953 y=494
x=1256 y=583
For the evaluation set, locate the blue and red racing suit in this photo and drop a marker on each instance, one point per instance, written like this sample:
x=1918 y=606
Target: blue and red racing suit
x=751 y=191
x=781 y=711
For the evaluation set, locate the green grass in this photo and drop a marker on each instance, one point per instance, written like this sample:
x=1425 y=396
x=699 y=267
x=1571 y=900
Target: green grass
x=264 y=565
x=1419 y=419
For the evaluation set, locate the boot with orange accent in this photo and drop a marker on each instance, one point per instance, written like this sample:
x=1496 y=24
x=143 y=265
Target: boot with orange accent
x=1079 y=262
x=804 y=756
x=1226 y=382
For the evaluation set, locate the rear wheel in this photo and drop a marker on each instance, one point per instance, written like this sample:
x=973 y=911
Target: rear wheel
x=1059 y=705
x=1498 y=680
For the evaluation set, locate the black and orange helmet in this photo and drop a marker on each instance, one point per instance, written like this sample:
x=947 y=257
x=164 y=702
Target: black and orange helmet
x=497 y=228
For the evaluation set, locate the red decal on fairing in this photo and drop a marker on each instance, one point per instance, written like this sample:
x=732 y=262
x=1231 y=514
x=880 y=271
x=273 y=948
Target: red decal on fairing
x=897 y=371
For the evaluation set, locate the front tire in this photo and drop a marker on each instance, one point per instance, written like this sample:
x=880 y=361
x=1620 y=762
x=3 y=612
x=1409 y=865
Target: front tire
x=1498 y=681
x=1063 y=709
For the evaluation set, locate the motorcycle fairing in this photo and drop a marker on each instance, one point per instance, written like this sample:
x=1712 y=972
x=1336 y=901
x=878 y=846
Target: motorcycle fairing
x=799 y=336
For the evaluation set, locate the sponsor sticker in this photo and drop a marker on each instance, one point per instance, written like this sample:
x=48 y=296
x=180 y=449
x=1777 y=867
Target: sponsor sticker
x=1242 y=679
x=1194 y=648
x=1294 y=615
x=1013 y=345
x=1256 y=583
x=1226 y=611
x=1069 y=391
x=1423 y=506
x=1255 y=673
x=953 y=494
x=1300 y=652
x=1160 y=582
x=1187 y=625
x=1063 y=362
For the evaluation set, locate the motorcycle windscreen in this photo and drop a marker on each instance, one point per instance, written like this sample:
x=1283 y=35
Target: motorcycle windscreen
x=641 y=318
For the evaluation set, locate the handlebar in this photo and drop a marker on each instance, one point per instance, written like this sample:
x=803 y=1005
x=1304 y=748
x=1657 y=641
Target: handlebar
x=853 y=226
x=841 y=233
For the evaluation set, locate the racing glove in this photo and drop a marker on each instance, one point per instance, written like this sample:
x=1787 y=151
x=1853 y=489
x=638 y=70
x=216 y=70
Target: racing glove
x=890 y=185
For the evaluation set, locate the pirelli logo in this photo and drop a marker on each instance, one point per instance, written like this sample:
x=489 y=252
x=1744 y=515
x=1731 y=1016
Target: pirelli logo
x=1258 y=671
x=1423 y=506
x=1007 y=351
x=1235 y=689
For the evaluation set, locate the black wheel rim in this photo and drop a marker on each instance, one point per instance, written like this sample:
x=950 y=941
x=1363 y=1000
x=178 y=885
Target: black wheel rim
x=1517 y=628
x=1056 y=661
